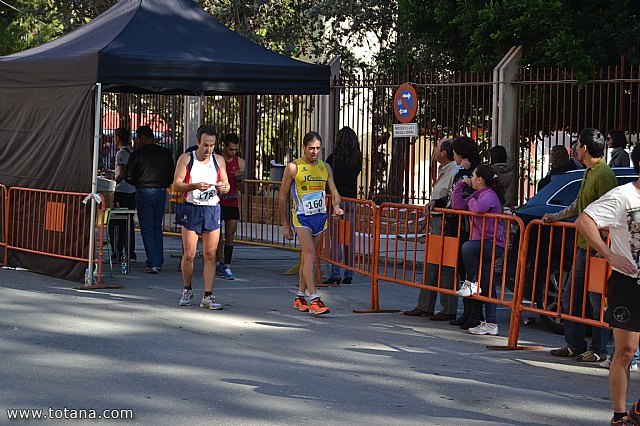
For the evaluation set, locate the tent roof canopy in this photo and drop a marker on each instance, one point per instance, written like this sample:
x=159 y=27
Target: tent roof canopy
x=161 y=46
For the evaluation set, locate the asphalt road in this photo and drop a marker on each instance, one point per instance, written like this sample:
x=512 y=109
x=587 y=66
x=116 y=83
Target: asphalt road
x=259 y=362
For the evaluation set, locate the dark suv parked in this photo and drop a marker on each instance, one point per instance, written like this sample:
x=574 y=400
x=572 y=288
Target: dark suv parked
x=558 y=194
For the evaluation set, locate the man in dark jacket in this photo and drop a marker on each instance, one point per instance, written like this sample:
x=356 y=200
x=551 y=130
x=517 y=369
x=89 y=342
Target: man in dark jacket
x=150 y=170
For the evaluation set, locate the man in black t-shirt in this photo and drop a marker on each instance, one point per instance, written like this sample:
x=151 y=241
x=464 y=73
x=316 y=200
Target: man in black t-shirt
x=150 y=170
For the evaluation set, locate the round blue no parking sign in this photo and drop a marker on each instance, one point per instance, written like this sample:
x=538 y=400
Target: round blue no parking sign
x=405 y=103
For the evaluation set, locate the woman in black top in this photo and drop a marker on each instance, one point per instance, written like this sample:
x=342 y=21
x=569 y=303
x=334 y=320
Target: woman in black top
x=617 y=141
x=346 y=163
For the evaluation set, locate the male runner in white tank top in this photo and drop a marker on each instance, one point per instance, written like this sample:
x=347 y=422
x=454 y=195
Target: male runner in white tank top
x=201 y=175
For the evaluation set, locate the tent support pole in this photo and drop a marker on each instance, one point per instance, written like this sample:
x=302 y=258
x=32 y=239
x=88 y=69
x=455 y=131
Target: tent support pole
x=94 y=180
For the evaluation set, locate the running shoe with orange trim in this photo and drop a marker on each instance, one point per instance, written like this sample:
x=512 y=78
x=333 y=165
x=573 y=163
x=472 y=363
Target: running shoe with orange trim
x=625 y=421
x=300 y=304
x=634 y=414
x=317 y=307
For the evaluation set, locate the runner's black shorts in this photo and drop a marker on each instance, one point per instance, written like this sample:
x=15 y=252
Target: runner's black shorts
x=624 y=301
x=229 y=213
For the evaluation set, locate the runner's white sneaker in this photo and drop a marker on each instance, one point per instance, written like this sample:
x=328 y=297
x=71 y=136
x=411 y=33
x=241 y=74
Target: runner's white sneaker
x=210 y=302
x=187 y=295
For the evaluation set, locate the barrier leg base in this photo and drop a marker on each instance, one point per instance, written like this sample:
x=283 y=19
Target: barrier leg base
x=96 y=287
x=379 y=311
x=515 y=348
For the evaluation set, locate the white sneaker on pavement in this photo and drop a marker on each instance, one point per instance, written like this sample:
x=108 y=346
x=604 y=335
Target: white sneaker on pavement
x=485 y=328
x=210 y=302
x=187 y=295
x=607 y=364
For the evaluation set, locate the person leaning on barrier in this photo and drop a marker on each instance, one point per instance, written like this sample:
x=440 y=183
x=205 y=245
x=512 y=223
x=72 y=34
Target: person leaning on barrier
x=598 y=179
x=619 y=210
x=487 y=198
x=467 y=156
x=447 y=169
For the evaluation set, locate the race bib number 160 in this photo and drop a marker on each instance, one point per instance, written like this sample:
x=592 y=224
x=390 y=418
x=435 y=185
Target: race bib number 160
x=314 y=203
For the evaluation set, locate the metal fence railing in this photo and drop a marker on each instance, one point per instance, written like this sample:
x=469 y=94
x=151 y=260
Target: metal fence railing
x=54 y=224
x=555 y=104
x=48 y=222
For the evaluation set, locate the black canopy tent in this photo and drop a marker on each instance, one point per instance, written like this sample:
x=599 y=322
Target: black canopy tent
x=162 y=46
x=50 y=95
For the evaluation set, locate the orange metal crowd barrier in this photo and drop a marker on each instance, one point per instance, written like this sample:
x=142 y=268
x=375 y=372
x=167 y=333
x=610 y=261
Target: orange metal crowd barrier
x=404 y=248
x=548 y=270
x=398 y=243
x=3 y=222
x=349 y=240
x=52 y=223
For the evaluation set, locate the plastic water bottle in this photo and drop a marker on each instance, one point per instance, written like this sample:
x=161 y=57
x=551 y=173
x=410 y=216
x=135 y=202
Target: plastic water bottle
x=124 y=267
x=87 y=277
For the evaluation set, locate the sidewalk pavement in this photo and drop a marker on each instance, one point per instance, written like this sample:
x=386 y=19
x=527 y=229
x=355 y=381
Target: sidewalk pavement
x=259 y=362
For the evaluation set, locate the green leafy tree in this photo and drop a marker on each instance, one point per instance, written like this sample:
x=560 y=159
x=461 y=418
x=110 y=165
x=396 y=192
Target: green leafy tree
x=25 y=24
x=278 y=26
x=475 y=34
x=314 y=30
x=29 y=23
x=382 y=36
x=361 y=32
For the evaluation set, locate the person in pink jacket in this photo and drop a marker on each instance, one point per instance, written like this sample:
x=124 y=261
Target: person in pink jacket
x=487 y=236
